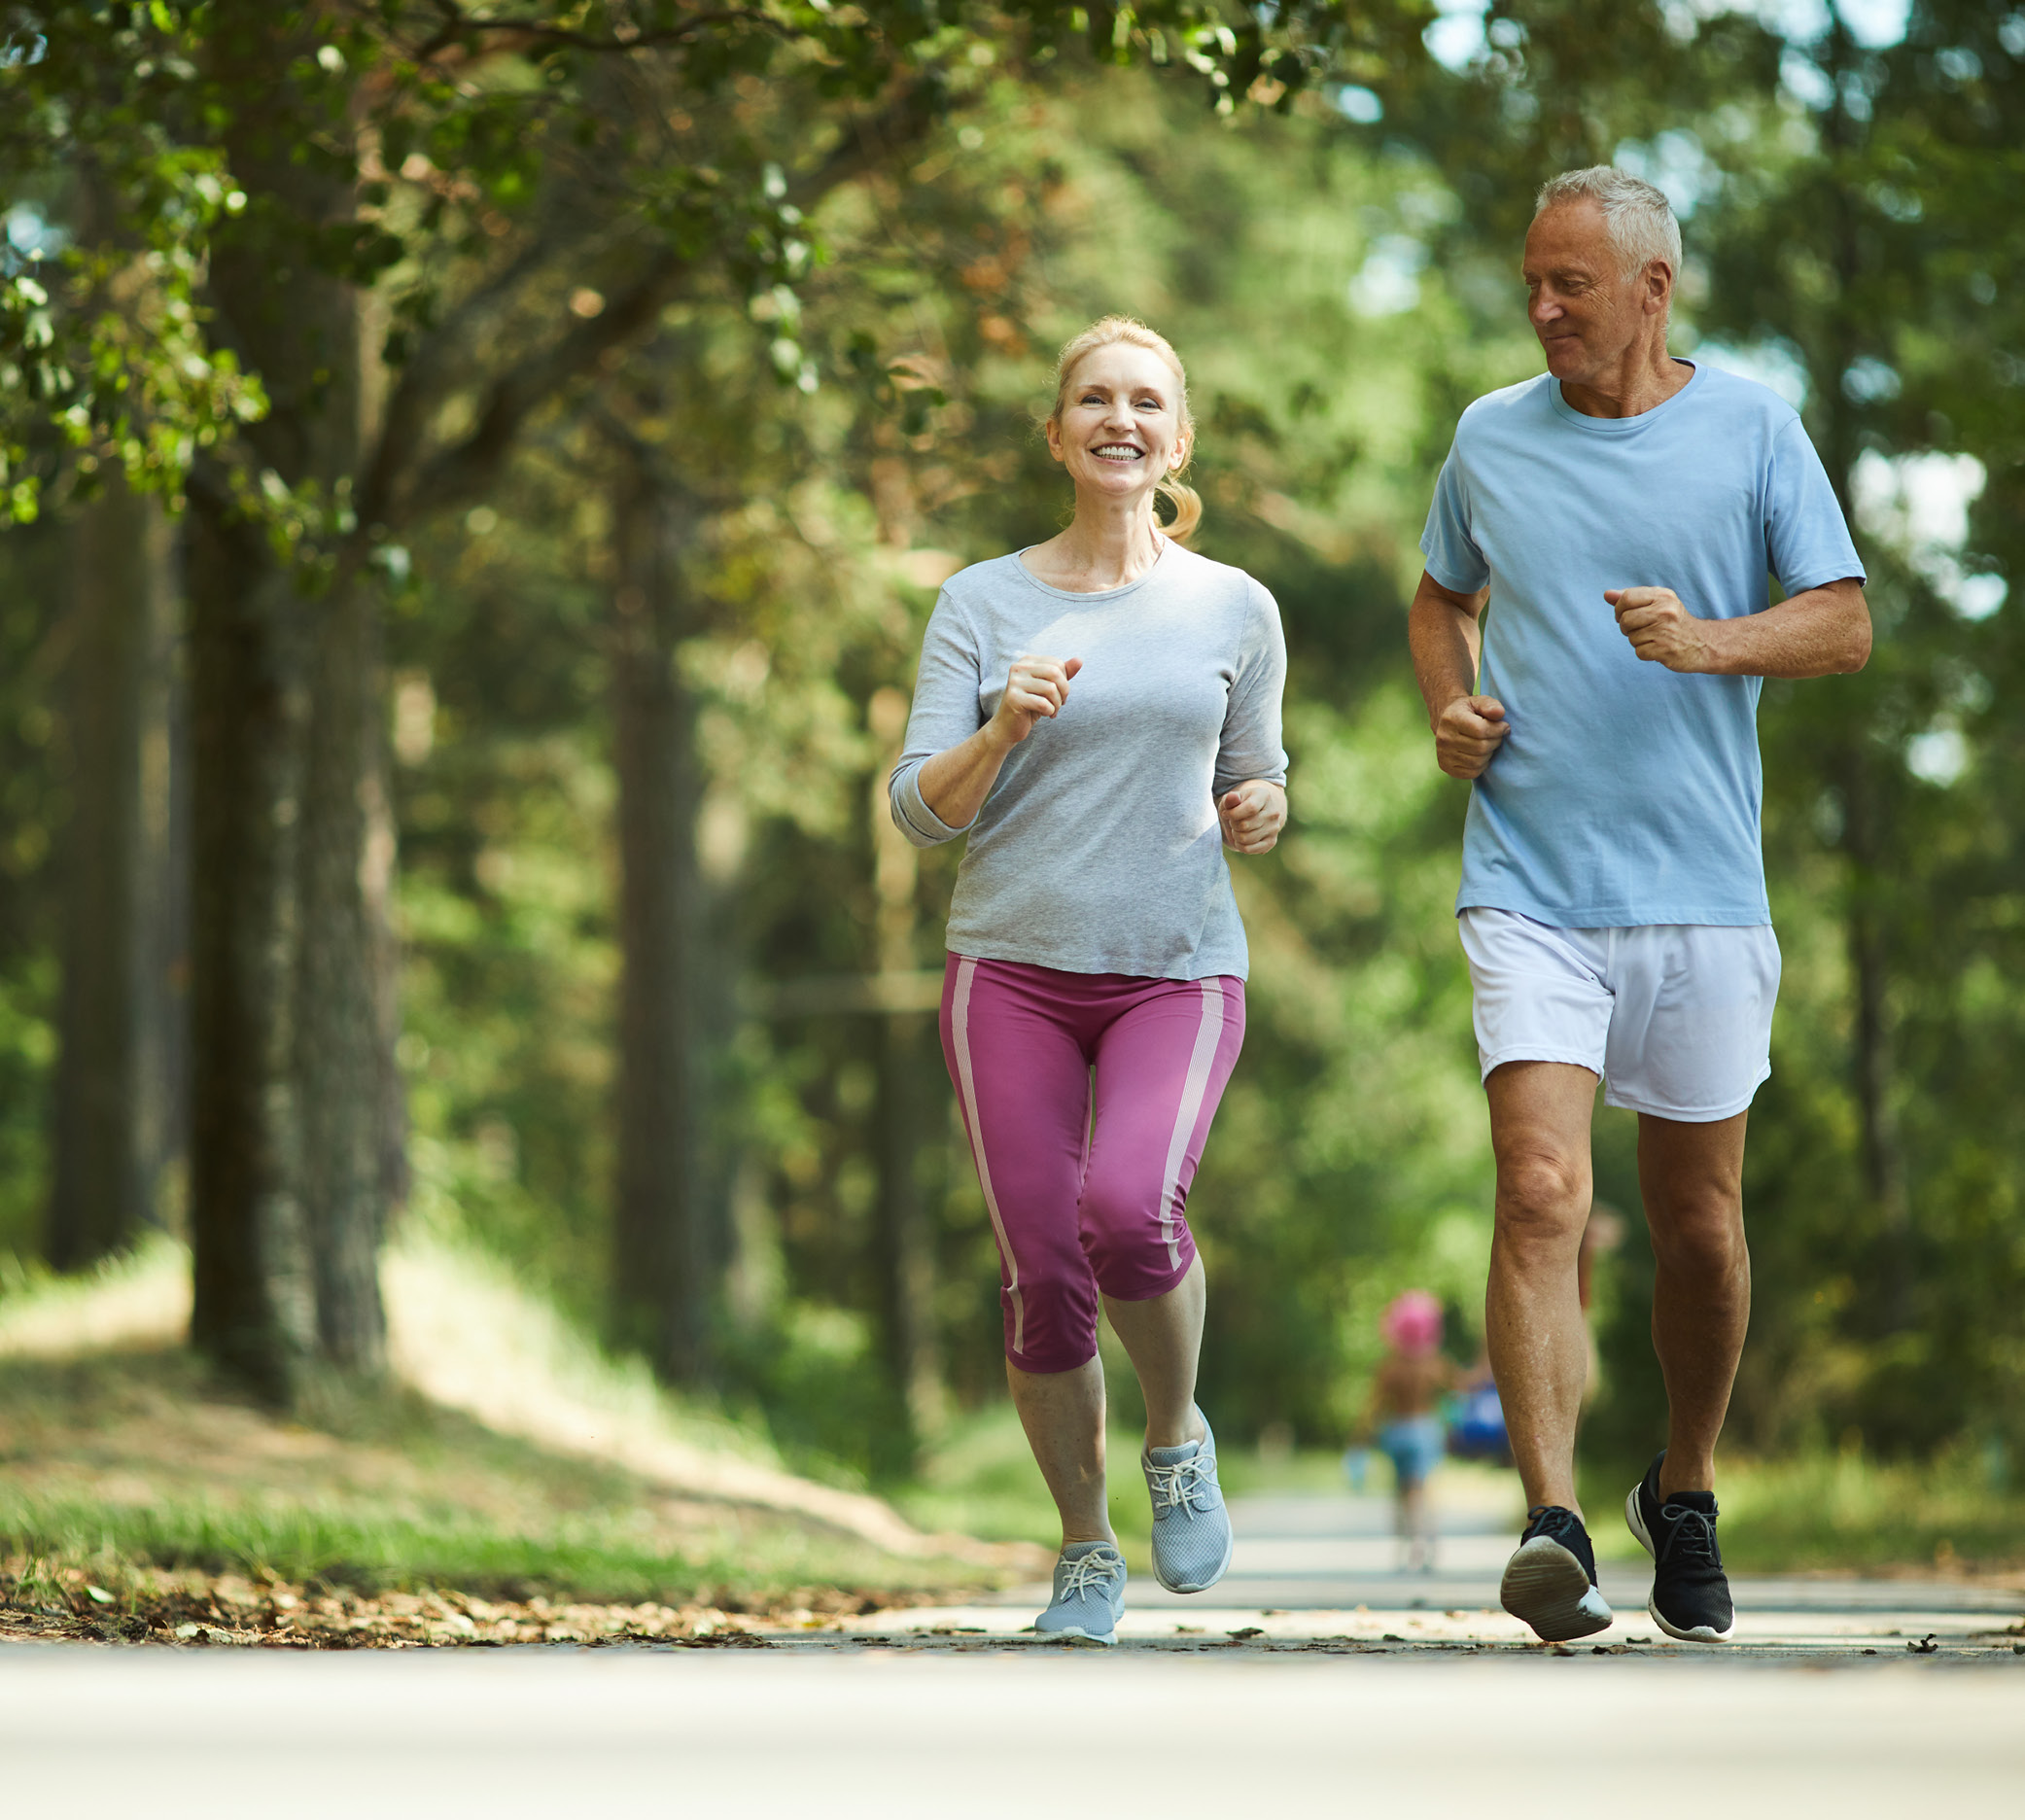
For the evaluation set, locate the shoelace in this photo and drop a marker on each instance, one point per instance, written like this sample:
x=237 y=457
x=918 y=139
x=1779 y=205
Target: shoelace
x=1087 y=1572
x=1690 y=1532
x=1552 y=1522
x=1176 y=1487
x=1559 y=1525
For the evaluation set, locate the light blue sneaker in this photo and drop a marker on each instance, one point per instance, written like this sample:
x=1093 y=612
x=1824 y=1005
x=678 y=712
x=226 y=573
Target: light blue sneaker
x=1191 y=1528
x=1089 y=1595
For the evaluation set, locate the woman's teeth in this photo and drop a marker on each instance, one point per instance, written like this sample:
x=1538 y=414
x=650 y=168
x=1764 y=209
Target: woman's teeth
x=1118 y=451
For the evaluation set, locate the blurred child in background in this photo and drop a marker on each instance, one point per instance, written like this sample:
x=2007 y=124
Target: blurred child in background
x=1404 y=1415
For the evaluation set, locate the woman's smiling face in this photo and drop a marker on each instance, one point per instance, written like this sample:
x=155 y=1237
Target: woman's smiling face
x=1119 y=429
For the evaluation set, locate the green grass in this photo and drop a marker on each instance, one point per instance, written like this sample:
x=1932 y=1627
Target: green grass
x=599 y=1557
x=118 y=1464
x=1845 y=1513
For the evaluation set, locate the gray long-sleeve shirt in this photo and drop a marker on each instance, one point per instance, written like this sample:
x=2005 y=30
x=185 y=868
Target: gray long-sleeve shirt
x=1099 y=850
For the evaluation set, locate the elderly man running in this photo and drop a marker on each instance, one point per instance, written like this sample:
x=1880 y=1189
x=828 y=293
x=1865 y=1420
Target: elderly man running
x=1620 y=514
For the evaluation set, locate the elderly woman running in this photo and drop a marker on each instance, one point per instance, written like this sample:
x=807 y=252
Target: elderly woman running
x=1101 y=715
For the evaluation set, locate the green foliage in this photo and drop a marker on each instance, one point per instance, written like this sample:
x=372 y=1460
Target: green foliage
x=813 y=1373
x=27 y=1057
x=844 y=385
x=413 y=104
x=102 y=342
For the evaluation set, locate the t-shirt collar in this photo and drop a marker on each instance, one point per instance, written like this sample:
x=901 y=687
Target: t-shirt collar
x=1160 y=559
x=1618 y=426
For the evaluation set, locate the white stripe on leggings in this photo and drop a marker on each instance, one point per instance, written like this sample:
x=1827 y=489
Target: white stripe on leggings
x=960 y=1031
x=1208 y=1034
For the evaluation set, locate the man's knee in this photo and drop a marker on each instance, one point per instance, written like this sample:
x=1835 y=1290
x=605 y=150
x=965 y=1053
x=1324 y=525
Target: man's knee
x=1698 y=1234
x=1543 y=1196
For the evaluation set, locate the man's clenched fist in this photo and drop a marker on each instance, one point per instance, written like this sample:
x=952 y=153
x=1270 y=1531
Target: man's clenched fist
x=1467 y=734
x=1660 y=629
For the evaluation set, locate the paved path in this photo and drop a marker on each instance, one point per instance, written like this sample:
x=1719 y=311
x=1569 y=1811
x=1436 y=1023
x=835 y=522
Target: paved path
x=1321 y=1682
x=1013 y=1731
x=1311 y=1567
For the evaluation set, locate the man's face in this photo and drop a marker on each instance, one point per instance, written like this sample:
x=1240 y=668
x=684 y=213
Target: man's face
x=1586 y=315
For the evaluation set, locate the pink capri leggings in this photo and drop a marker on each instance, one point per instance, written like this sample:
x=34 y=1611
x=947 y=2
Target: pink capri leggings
x=1083 y=1204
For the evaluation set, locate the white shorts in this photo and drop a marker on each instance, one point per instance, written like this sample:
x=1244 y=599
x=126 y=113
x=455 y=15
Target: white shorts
x=1676 y=1017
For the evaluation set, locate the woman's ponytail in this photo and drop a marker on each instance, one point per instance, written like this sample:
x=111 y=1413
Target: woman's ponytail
x=1188 y=508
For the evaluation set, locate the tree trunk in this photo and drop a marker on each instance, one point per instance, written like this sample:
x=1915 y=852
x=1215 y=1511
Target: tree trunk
x=114 y=1133
x=254 y=1307
x=290 y=1075
x=340 y=1038
x=666 y=1242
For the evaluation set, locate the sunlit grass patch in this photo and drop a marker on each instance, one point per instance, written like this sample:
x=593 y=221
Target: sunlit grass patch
x=608 y=1555
x=139 y=1294
x=123 y=1464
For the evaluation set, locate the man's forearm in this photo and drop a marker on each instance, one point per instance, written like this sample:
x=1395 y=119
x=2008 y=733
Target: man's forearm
x=1823 y=631
x=1445 y=641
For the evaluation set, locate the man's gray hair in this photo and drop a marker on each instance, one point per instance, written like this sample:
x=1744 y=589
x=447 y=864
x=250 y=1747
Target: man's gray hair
x=1637 y=216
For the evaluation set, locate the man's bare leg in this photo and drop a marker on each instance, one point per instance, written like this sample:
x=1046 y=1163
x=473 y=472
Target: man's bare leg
x=1692 y=1178
x=1532 y=1317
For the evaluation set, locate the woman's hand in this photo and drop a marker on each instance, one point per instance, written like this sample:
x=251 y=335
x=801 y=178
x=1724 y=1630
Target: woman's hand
x=1035 y=689
x=954 y=783
x=1252 y=814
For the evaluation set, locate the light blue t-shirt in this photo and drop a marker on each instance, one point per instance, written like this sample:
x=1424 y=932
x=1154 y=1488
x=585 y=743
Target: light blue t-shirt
x=1624 y=793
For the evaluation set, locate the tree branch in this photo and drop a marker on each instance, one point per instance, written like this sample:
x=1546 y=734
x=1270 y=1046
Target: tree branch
x=404 y=482
x=459 y=27
x=467 y=468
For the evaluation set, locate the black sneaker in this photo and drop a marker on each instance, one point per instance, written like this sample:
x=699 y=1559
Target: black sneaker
x=1690 y=1593
x=1551 y=1582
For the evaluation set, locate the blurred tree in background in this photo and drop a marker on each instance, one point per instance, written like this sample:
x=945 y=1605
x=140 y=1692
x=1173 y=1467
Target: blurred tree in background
x=372 y=211
x=593 y=408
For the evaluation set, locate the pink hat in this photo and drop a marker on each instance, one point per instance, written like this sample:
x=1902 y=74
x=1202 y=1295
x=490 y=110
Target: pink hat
x=1413 y=1322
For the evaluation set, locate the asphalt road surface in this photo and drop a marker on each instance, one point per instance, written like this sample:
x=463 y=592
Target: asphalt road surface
x=1317 y=1554
x=1848 y=1698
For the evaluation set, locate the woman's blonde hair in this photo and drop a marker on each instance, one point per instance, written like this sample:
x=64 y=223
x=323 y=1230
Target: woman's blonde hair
x=1128 y=332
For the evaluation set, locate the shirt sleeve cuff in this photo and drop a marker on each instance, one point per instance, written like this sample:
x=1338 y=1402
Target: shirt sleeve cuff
x=1266 y=774
x=912 y=817
x=1820 y=576
x=1442 y=572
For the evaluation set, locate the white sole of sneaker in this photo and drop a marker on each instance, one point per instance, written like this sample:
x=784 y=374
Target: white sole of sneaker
x=1074 y=1635
x=1547 y=1588
x=1693 y=1633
